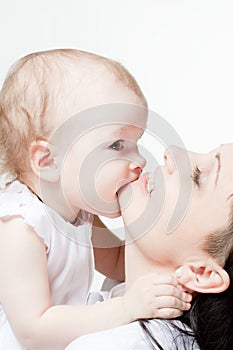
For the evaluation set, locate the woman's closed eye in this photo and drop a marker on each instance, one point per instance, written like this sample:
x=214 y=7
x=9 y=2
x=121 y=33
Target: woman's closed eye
x=117 y=145
x=196 y=176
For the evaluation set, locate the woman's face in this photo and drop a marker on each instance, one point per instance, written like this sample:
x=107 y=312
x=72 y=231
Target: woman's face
x=192 y=197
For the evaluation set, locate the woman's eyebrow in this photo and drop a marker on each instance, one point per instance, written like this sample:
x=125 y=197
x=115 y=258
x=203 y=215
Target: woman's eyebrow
x=218 y=169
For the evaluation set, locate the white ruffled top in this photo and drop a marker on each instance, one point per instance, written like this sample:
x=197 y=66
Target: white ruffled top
x=69 y=250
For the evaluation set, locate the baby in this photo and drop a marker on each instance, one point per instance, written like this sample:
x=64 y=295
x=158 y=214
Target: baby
x=69 y=126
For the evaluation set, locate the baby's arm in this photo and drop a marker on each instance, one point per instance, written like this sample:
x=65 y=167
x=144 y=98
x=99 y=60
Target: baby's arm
x=109 y=260
x=25 y=296
x=109 y=251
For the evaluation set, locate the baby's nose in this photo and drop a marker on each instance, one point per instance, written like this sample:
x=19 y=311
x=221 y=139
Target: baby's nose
x=138 y=163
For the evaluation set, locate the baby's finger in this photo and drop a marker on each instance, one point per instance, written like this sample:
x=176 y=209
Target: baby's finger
x=169 y=290
x=167 y=313
x=170 y=302
x=155 y=278
x=166 y=279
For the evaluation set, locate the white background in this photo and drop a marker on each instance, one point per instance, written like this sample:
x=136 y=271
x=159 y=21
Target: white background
x=180 y=52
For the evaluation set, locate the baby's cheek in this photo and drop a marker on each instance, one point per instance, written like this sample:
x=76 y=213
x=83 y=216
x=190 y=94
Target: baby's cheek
x=106 y=189
x=110 y=178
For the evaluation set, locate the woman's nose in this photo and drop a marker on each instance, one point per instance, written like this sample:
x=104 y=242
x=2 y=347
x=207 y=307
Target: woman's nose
x=177 y=159
x=169 y=159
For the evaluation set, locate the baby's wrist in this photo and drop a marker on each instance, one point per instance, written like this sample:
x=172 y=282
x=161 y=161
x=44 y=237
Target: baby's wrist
x=127 y=310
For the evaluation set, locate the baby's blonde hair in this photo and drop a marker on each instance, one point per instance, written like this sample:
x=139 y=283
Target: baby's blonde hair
x=36 y=89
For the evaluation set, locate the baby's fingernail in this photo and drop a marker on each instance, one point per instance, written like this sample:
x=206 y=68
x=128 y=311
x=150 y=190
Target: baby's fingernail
x=178 y=272
x=187 y=306
x=187 y=297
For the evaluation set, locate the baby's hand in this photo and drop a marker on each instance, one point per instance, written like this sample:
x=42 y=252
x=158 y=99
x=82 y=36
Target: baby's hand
x=156 y=296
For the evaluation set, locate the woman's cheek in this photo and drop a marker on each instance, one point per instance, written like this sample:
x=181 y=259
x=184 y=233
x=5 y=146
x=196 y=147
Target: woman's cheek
x=133 y=204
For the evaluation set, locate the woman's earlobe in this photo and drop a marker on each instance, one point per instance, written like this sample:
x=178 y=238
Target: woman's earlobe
x=43 y=161
x=203 y=276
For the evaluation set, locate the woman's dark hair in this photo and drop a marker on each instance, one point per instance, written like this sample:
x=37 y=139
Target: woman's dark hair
x=183 y=336
x=211 y=315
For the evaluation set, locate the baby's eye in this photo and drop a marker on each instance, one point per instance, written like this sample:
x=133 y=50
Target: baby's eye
x=117 y=145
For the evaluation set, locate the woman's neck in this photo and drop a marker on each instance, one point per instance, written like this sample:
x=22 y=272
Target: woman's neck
x=138 y=264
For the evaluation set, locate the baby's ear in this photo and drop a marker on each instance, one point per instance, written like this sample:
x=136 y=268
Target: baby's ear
x=43 y=161
x=203 y=276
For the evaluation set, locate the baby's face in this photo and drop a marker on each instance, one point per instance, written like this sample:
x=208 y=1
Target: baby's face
x=102 y=153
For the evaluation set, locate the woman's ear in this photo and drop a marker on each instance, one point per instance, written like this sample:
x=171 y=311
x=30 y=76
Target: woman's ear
x=203 y=276
x=43 y=162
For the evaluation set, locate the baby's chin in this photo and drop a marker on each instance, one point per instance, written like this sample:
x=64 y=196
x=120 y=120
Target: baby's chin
x=113 y=212
x=124 y=194
x=112 y=215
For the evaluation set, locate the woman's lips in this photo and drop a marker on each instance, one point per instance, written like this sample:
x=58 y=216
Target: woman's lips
x=150 y=183
x=144 y=180
x=147 y=181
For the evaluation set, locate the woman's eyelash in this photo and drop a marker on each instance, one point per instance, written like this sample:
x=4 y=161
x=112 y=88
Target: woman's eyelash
x=196 y=176
x=117 y=145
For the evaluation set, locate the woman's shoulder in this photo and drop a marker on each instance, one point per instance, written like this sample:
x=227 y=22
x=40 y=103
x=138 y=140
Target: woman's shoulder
x=132 y=337
x=123 y=337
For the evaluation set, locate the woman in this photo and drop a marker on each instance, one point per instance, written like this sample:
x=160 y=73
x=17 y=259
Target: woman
x=195 y=245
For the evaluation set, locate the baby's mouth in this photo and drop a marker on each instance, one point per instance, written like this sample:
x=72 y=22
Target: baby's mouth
x=147 y=179
x=121 y=185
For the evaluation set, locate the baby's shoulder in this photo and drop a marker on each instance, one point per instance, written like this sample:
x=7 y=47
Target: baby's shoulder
x=15 y=196
x=20 y=206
